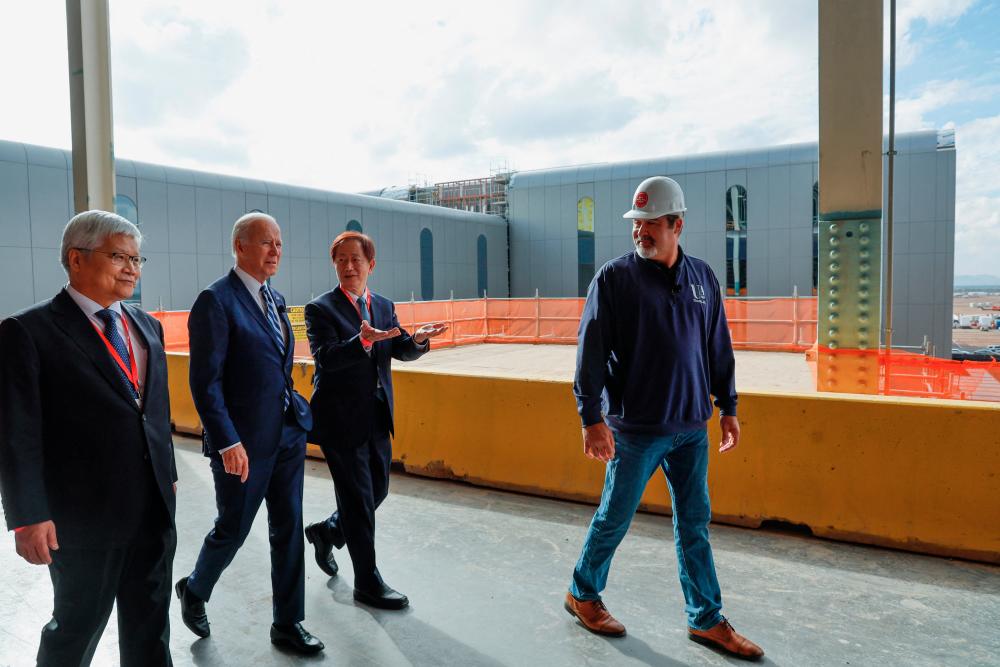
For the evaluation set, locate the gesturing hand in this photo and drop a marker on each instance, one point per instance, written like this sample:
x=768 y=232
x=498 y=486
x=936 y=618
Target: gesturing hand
x=429 y=331
x=730 y=433
x=235 y=461
x=373 y=335
x=598 y=442
x=34 y=541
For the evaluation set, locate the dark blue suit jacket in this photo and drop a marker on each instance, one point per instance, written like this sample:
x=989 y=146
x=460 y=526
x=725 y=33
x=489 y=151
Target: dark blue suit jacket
x=238 y=373
x=344 y=386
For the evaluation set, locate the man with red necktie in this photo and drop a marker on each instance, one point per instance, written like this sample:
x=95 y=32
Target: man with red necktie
x=354 y=335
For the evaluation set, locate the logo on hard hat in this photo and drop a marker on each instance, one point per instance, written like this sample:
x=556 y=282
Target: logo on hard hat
x=641 y=199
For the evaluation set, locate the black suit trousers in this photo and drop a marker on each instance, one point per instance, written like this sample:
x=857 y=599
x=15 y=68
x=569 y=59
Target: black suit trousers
x=361 y=482
x=87 y=582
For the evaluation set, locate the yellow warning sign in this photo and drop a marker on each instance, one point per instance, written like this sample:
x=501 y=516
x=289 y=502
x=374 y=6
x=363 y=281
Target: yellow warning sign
x=297 y=316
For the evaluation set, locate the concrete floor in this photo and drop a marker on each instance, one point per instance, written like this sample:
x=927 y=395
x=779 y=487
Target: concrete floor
x=755 y=371
x=486 y=572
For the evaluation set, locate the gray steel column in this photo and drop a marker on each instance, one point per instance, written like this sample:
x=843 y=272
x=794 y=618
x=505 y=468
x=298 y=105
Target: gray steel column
x=850 y=190
x=89 y=41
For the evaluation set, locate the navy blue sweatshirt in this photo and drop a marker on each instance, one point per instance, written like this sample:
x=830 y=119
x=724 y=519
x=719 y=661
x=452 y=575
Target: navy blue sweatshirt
x=653 y=345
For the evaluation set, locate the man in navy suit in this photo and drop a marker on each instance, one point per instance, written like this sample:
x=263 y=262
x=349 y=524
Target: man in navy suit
x=255 y=429
x=87 y=469
x=354 y=335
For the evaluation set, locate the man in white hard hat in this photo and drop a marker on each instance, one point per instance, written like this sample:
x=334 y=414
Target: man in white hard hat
x=654 y=347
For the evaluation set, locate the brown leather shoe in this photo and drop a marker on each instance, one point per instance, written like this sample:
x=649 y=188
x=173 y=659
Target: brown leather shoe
x=594 y=616
x=722 y=635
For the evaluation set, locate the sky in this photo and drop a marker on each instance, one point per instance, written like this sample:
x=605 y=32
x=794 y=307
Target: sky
x=357 y=96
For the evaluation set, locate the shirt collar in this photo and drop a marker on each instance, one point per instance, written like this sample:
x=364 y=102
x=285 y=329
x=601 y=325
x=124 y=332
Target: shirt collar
x=90 y=307
x=251 y=283
x=672 y=271
x=355 y=297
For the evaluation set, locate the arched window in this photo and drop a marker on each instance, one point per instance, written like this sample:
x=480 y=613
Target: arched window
x=815 y=236
x=426 y=265
x=736 y=241
x=584 y=244
x=481 y=264
x=353 y=226
x=126 y=208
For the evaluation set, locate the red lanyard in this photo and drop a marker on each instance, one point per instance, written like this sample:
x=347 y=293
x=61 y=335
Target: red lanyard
x=131 y=371
x=354 y=302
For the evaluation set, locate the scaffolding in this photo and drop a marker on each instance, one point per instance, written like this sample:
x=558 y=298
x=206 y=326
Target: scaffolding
x=478 y=195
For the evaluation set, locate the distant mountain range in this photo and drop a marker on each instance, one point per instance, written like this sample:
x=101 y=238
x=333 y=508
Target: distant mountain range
x=976 y=280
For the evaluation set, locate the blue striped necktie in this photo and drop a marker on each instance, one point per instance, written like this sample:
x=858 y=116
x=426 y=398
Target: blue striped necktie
x=272 y=319
x=110 y=319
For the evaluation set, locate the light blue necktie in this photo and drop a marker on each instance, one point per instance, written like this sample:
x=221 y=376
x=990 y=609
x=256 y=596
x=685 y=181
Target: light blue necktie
x=110 y=319
x=363 y=310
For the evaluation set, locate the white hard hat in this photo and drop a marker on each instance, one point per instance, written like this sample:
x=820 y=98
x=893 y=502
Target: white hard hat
x=656 y=196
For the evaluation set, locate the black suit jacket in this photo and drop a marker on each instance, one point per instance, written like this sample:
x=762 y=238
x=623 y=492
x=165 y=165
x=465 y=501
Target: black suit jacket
x=75 y=448
x=343 y=400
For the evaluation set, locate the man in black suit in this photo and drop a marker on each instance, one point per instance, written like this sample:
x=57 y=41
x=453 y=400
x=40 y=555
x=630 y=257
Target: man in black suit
x=255 y=430
x=87 y=470
x=354 y=335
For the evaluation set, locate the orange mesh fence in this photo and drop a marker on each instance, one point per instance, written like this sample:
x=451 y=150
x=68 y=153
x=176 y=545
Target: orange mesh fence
x=769 y=324
x=904 y=373
x=780 y=324
x=496 y=320
x=175 y=330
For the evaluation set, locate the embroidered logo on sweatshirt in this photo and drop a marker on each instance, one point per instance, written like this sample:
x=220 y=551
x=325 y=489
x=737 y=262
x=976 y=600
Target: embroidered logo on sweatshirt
x=699 y=293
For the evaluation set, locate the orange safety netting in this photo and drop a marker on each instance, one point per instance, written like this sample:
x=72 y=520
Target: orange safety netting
x=779 y=324
x=496 y=320
x=768 y=324
x=904 y=373
x=175 y=331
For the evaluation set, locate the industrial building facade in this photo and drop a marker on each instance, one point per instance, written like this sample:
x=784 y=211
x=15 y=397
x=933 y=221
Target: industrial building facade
x=186 y=217
x=751 y=216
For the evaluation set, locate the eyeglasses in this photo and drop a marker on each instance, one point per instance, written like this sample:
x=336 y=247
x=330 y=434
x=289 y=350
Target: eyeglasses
x=118 y=258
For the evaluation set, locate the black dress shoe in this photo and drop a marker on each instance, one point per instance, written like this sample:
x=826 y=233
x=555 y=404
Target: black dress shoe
x=296 y=638
x=316 y=535
x=381 y=597
x=192 y=609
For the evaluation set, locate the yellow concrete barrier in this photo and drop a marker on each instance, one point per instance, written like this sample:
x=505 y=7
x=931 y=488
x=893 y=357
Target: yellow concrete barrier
x=183 y=416
x=913 y=474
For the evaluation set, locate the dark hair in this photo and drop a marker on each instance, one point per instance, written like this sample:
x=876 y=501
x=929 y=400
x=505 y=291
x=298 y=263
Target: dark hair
x=367 y=245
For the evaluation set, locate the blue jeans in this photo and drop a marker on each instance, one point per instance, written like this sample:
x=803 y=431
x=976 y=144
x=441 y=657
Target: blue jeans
x=684 y=459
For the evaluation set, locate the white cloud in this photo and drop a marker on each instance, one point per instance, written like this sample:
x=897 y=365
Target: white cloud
x=977 y=210
x=913 y=13
x=977 y=186
x=352 y=96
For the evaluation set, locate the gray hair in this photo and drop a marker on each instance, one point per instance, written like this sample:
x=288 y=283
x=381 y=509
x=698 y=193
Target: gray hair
x=242 y=225
x=89 y=229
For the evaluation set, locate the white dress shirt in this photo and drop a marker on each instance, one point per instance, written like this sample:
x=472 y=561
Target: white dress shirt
x=90 y=308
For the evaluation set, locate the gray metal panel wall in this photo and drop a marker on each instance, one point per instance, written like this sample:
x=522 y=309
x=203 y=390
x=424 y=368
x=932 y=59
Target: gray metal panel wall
x=187 y=220
x=779 y=185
